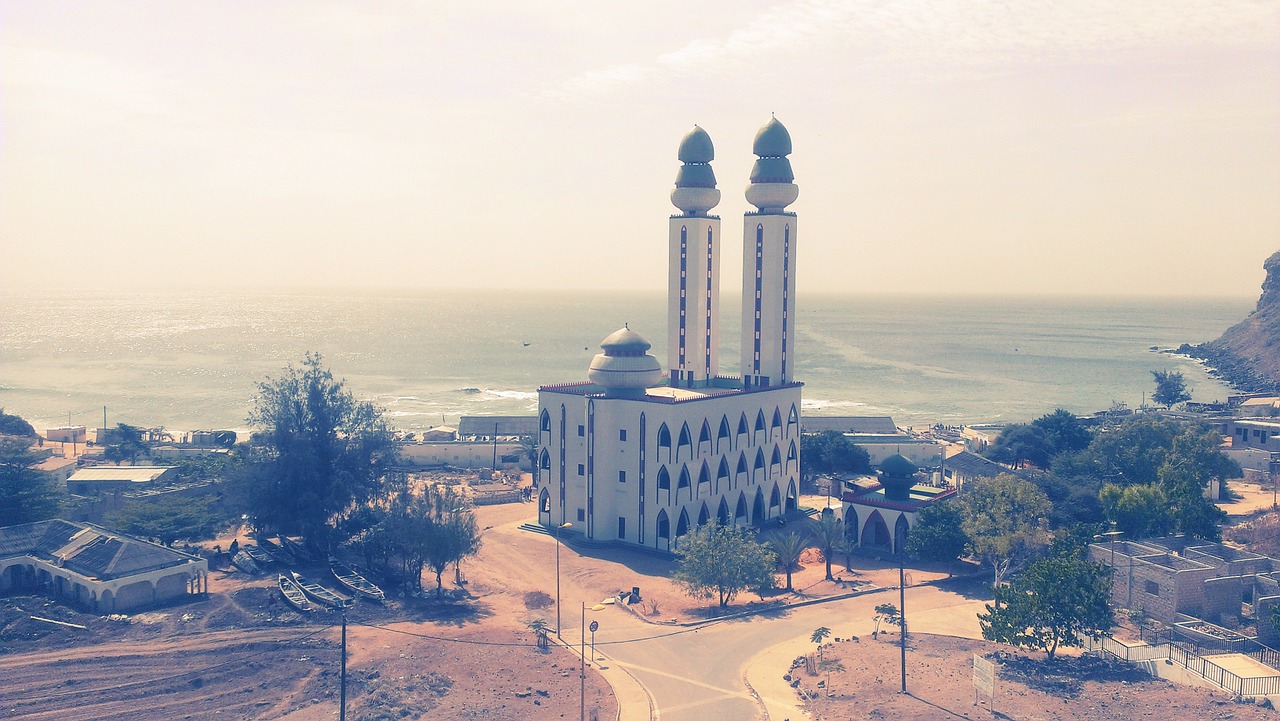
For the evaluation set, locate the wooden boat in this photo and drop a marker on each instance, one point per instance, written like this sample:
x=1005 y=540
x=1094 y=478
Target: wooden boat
x=277 y=552
x=319 y=593
x=293 y=594
x=296 y=550
x=245 y=563
x=258 y=555
x=354 y=582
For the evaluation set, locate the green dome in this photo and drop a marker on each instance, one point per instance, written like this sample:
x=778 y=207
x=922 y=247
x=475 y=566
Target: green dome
x=897 y=467
x=772 y=170
x=624 y=340
x=695 y=176
x=773 y=140
x=697 y=148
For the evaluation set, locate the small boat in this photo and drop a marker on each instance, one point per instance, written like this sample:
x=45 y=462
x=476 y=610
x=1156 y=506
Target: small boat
x=258 y=555
x=297 y=550
x=277 y=553
x=293 y=594
x=354 y=582
x=245 y=563
x=319 y=593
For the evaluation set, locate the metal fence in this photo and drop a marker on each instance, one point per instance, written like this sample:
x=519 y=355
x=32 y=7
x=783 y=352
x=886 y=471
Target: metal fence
x=1189 y=658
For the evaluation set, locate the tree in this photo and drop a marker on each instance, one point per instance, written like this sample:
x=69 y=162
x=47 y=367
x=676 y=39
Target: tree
x=1171 y=388
x=1022 y=443
x=831 y=452
x=1055 y=602
x=11 y=425
x=319 y=453
x=820 y=634
x=26 y=493
x=1004 y=518
x=828 y=534
x=788 y=549
x=124 y=444
x=886 y=613
x=1063 y=431
x=1139 y=511
x=719 y=561
x=169 y=519
x=938 y=533
x=452 y=534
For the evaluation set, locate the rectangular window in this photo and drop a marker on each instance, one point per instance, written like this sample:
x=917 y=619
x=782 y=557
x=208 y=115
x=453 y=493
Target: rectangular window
x=582 y=430
x=582 y=515
x=622 y=527
x=622 y=434
x=622 y=476
x=1152 y=588
x=582 y=470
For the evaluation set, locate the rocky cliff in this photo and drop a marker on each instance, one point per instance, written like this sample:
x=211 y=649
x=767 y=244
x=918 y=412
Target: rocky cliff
x=1248 y=355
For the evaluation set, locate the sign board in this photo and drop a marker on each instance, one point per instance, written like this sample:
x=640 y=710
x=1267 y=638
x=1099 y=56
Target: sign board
x=984 y=677
x=595 y=626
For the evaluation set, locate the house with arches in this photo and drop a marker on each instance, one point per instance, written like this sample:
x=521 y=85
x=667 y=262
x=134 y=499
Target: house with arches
x=93 y=568
x=878 y=516
x=635 y=455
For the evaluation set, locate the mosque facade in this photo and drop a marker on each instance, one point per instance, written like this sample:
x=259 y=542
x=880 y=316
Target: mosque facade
x=636 y=455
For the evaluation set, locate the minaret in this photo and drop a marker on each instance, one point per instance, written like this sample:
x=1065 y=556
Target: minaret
x=768 y=263
x=693 y=287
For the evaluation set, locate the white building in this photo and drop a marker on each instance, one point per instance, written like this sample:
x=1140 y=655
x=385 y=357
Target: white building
x=637 y=456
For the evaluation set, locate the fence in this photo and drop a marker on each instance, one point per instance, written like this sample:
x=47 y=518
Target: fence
x=1189 y=658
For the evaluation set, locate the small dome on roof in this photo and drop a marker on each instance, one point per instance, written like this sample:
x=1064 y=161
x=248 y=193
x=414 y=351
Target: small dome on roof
x=898 y=467
x=773 y=140
x=625 y=339
x=696 y=147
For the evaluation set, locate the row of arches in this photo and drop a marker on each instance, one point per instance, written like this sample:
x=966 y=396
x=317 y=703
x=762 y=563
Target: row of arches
x=728 y=475
x=757 y=512
x=873 y=531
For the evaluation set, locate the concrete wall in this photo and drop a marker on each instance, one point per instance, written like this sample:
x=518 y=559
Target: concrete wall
x=463 y=454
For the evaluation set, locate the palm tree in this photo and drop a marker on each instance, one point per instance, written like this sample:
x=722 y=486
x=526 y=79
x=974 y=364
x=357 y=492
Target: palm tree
x=820 y=634
x=789 y=548
x=829 y=534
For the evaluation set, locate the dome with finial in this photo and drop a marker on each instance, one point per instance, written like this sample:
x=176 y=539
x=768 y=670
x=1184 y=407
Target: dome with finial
x=772 y=186
x=897 y=476
x=695 y=192
x=625 y=368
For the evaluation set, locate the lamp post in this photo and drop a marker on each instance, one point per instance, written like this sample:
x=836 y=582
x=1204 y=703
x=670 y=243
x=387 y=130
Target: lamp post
x=562 y=525
x=902 y=602
x=582 y=666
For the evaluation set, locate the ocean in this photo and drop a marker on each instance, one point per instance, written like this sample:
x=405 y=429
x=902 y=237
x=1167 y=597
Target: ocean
x=192 y=360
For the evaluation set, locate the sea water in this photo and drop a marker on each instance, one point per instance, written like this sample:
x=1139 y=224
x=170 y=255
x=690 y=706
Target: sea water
x=192 y=360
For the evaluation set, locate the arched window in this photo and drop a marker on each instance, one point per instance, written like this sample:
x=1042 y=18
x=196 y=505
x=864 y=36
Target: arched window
x=760 y=427
x=722 y=513
x=775 y=498
x=704 y=436
x=740 y=512
x=757 y=507
x=742 y=464
x=793 y=419
x=704 y=475
x=704 y=515
x=792 y=456
x=544 y=422
x=900 y=529
x=664 y=525
x=777 y=422
x=664 y=479
x=544 y=501
x=743 y=428
x=686 y=441
x=664 y=441
x=722 y=473
x=683 y=526
x=544 y=461
x=684 y=478
x=724 y=438
x=757 y=470
x=775 y=461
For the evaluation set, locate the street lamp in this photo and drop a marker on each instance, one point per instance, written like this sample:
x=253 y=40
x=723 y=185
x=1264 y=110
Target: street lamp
x=562 y=525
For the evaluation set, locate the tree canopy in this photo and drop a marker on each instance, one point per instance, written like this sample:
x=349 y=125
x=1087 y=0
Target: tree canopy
x=319 y=452
x=1040 y=441
x=718 y=562
x=124 y=444
x=11 y=425
x=1005 y=519
x=168 y=519
x=831 y=452
x=1057 y=601
x=1171 y=388
x=938 y=533
x=26 y=494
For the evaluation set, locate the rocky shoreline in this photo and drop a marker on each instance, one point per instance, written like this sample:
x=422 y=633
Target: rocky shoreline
x=1247 y=355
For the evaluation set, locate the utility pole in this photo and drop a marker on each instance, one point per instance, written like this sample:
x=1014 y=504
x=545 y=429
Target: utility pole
x=582 y=666
x=495 y=448
x=342 y=693
x=902 y=603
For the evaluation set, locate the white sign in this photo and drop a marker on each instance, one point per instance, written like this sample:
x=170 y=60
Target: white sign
x=984 y=676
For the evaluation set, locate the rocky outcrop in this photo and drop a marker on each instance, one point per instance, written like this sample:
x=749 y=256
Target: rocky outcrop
x=1248 y=355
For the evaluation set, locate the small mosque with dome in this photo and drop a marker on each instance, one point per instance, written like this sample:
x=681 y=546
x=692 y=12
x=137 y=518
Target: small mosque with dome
x=635 y=455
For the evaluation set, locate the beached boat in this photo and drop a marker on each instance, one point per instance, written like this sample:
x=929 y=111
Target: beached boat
x=293 y=594
x=245 y=563
x=354 y=582
x=278 y=553
x=297 y=550
x=258 y=555
x=319 y=593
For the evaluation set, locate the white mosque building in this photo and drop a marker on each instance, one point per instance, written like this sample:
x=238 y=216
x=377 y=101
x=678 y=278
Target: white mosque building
x=636 y=456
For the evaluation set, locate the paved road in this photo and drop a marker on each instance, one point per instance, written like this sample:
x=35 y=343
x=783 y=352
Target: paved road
x=698 y=675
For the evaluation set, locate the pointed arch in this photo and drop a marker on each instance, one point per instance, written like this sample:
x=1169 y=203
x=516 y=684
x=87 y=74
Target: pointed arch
x=775 y=498
x=740 y=510
x=743 y=429
x=664 y=441
x=682 y=526
x=793 y=458
x=776 y=425
x=760 y=432
x=757 y=469
x=758 y=512
x=722 y=513
x=704 y=515
x=775 y=460
x=664 y=528
x=544 y=506
x=684 y=441
x=724 y=436
x=704 y=436
x=742 y=468
x=791 y=502
x=544 y=421
x=722 y=473
x=684 y=478
x=664 y=479
x=875 y=532
x=544 y=460
x=900 y=529
x=704 y=476
x=793 y=421
x=851 y=524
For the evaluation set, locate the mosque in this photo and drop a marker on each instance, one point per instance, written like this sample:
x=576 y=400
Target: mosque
x=637 y=456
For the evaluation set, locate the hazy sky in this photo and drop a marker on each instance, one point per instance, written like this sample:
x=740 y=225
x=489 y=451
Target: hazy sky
x=1022 y=147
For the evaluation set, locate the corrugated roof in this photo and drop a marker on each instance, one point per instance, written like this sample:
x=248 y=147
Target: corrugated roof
x=973 y=465
x=847 y=424
x=132 y=474
x=87 y=549
x=506 y=425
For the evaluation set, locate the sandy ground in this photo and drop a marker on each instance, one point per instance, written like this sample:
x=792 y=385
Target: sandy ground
x=1252 y=498
x=239 y=655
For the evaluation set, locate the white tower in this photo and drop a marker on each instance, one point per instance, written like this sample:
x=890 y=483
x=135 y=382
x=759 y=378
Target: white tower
x=693 y=286
x=768 y=263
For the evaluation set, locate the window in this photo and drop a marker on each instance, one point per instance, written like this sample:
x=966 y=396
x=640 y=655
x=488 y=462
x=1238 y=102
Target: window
x=582 y=515
x=582 y=430
x=622 y=434
x=622 y=476
x=622 y=527
x=582 y=470
x=1151 y=587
